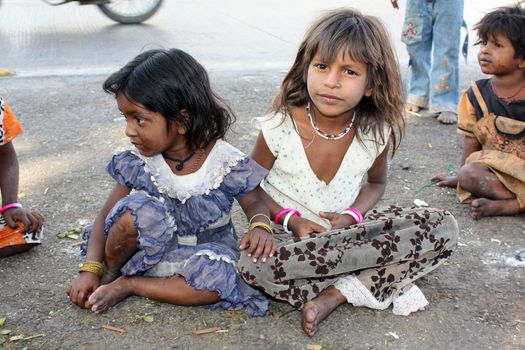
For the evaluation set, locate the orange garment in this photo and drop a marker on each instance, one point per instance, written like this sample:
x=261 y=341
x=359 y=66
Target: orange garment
x=9 y=125
x=502 y=139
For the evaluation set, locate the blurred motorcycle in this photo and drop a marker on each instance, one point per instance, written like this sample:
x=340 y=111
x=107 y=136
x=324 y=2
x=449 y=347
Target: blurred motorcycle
x=121 y=11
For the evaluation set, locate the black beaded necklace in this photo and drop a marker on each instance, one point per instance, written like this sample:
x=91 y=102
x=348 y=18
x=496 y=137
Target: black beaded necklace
x=180 y=162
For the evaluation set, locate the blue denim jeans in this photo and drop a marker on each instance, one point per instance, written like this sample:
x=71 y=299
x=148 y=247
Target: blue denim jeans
x=431 y=31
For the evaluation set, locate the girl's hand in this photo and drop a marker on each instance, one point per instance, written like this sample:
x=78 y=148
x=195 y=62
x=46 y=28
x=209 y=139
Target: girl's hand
x=82 y=287
x=337 y=220
x=258 y=243
x=446 y=180
x=32 y=220
x=303 y=227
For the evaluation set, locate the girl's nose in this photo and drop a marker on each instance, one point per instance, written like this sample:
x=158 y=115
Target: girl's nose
x=332 y=80
x=129 y=130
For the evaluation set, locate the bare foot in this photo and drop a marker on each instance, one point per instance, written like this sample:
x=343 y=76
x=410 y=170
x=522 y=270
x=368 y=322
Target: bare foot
x=483 y=207
x=109 y=276
x=412 y=109
x=317 y=309
x=109 y=294
x=447 y=118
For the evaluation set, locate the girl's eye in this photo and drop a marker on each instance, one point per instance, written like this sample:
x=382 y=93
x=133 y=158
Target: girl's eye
x=320 y=66
x=349 y=72
x=483 y=42
x=140 y=121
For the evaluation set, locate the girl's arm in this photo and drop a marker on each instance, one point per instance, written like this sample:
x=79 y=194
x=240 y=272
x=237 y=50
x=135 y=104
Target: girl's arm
x=9 y=188
x=368 y=196
x=86 y=282
x=470 y=145
x=258 y=242
x=300 y=227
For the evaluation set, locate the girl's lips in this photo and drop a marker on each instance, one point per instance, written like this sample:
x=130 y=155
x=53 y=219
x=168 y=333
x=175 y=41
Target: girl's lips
x=330 y=98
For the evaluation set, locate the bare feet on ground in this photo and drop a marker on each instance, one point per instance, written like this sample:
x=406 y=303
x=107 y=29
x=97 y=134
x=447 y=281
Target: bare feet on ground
x=447 y=118
x=317 y=309
x=110 y=294
x=413 y=109
x=109 y=276
x=483 y=207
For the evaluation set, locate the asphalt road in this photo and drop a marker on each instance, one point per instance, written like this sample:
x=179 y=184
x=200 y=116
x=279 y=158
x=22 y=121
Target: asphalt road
x=39 y=40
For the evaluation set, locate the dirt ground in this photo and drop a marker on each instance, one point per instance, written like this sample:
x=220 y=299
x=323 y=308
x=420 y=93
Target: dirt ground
x=477 y=299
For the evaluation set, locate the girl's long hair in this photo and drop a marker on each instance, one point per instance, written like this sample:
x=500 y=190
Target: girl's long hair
x=364 y=39
x=169 y=81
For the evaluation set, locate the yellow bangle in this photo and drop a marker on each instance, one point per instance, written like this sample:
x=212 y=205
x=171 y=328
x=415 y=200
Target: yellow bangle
x=262 y=225
x=92 y=266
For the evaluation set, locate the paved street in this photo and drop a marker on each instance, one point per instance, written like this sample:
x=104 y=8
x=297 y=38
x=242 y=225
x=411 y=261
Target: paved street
x=38 y=39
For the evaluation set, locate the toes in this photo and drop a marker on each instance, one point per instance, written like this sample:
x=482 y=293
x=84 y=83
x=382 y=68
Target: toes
x=447 y=118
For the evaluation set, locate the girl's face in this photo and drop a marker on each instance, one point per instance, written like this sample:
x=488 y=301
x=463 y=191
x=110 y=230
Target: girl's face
x=335 y=88
x=497 y=56
x=148 y=130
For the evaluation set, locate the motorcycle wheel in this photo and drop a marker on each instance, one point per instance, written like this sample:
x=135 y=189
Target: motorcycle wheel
x=130 y=11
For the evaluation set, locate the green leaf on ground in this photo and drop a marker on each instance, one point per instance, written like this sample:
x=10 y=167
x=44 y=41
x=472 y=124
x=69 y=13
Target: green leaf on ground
x=5 y=332
x=70 y=342
x=74 y=233
x=2 y=321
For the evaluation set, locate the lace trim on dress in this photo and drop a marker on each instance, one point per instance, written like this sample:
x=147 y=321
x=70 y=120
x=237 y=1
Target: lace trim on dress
x=217 y=165
x=212 y=256
x=411 y=300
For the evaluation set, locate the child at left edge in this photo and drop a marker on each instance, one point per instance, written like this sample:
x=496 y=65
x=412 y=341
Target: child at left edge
x=492 y=120
x=20 y=228
x=165 y=232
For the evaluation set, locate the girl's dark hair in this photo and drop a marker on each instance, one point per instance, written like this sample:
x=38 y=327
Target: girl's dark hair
x=169 y=81
x=364 y=39
x=508 y=21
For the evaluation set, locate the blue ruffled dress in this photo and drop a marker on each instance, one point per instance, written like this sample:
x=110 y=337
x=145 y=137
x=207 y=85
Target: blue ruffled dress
x=183 y=222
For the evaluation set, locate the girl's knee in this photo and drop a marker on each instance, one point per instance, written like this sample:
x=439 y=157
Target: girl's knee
x=468 y=174
x=124 y=225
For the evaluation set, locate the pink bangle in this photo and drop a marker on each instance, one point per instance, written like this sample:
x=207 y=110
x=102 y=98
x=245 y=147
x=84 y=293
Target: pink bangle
x=9 y=206
x=356 y=214
x=284 y=211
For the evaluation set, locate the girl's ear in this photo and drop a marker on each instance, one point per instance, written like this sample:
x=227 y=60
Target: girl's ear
x=180 y=127
x=369 y=91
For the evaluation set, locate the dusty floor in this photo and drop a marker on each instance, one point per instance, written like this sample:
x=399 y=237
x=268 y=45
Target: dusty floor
x=477 y=300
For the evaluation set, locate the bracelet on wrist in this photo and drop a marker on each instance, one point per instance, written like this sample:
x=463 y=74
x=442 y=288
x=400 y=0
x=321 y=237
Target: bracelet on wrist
x=263 y=215
x=9 y=206
x=92 y=266
x=283 y=212
x=287 y=218
x=356 y=214
x=262 y=225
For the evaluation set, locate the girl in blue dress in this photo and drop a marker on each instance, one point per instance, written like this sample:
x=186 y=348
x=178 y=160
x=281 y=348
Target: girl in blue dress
x=165 y=232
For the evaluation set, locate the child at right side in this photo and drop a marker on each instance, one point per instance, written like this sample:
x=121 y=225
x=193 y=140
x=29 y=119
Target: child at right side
x=492 y=120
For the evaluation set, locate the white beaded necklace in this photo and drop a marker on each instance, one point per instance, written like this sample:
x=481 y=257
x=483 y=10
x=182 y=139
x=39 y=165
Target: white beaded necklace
x=328 y=136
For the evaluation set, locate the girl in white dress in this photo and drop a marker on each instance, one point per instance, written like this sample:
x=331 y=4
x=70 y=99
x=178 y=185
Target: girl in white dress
x=325 y=145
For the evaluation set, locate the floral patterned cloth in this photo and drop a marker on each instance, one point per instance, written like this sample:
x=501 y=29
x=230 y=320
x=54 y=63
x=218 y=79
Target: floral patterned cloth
x=386 y=253
x=183 y=222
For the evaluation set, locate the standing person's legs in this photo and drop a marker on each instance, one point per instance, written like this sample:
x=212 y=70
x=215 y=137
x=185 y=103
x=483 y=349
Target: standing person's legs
x=417 y=35
x=444 y=81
